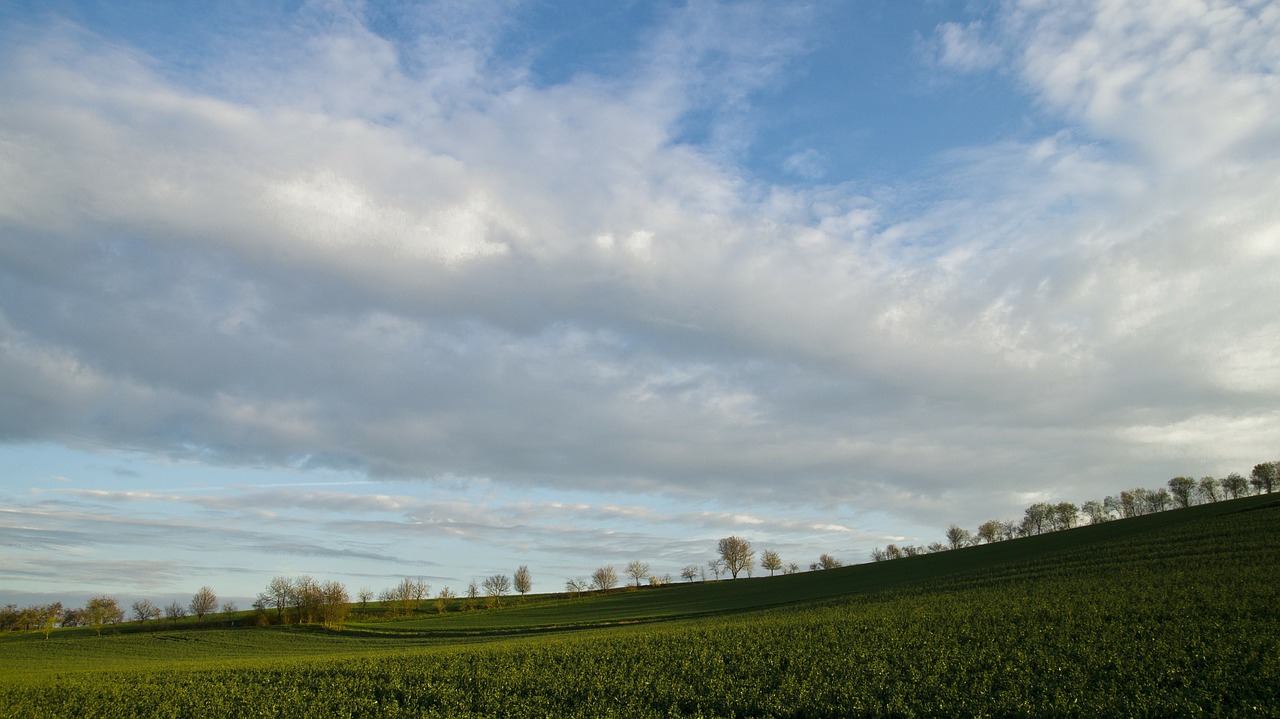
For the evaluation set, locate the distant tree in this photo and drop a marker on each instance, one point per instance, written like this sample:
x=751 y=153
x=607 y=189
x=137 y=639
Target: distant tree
x=791 y=568
x=421 y=590
x=988 y=531
x=473 y=593
x=1131 y=503
x=716 y=566
x=1183 y=490
x=402 y=598
x=143 y=610
x=1113 y=506
x=1235 y=486
x=604 y=578
x=443 y=598
x=308 y=598
x=175 y=611
x=826 y=561
x=203 y=602
x=736 y=553
x=365 y=595
x=576 y=586
x=46 y=617
x=1264 y=476
x=770 y=560
x=496 y=586
x=1037 y=519
x=523 y=581
x=101 y=611
x=1209 y=489
x=689 y=573
x=261 y=604
x=335 y=605
x=637 y=570
x=280 y=589
x=958 y=537
x=229 y=607
x=1095 y=511
x=1065 y=515
x=1159 y=500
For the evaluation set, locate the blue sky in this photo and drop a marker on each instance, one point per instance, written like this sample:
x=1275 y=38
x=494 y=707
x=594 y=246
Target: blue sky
x=374 y=290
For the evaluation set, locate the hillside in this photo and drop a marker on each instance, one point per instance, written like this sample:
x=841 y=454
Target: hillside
x=1167 y=614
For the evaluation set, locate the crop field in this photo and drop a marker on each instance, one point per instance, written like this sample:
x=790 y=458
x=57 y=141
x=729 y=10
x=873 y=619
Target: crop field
x=1175 y=615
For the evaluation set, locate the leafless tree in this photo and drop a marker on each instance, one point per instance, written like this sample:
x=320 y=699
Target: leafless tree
x=280 y=589
x=523 y=581
x=443 y=598
x=637 y=570
x=689 y=573
x=736 y=553
x=770 y=560
x=203 y=602
x=143 y=610
x=826 y=561
x=335 y=605
x=576 y=586
x=495 y=587
x=604 y=578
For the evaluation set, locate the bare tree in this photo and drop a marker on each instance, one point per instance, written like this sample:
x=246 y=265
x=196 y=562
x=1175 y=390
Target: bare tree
x=689 y=573
x=495 y=587
x=473 y=593
x=280 y=589
x=203 y=602
x=421 y=590
x=770 y=560
x=826 y=561
x=229 y=607
x=576 y=586
x=523 y=581
x=736 y=553
x=604 y=578
x=335 y=605
x=442 y=599
x=716 y=566
x=637 y=570
x=365 y=595
x=791 y=568
x=143 y=610
x=175 y=611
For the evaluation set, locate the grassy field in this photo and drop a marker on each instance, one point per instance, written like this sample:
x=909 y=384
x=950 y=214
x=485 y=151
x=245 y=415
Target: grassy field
x=1172 y=614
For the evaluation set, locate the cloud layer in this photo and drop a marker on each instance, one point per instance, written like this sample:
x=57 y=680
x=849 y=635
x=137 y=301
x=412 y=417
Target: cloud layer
x=413 y=257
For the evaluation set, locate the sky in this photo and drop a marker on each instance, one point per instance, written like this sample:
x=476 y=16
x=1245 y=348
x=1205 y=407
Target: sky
x=373 y=290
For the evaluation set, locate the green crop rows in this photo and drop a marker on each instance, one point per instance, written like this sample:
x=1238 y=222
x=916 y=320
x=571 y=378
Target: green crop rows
x=1180 y=620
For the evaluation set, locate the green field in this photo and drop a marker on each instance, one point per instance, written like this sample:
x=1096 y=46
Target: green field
x=1170 y=614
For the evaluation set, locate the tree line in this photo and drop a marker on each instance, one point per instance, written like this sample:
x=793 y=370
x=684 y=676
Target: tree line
x=304 y=600
x=1043 y=517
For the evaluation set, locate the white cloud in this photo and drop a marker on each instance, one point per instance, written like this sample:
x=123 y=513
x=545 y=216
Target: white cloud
x=964 y=48
x=407 y=260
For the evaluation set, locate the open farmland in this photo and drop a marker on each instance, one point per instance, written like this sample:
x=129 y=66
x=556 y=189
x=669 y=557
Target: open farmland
x=1173 y=614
